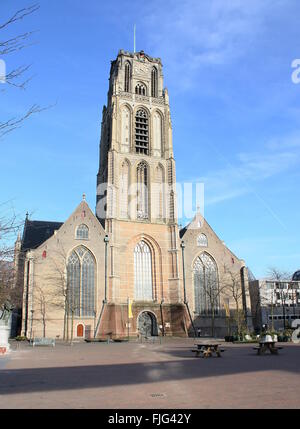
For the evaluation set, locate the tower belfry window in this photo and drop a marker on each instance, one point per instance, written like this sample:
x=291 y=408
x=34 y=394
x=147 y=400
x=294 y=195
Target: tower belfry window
x=140 y=89
x=141 y=132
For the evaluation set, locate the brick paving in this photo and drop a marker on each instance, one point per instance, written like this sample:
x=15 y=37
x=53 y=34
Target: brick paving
x=146 y=375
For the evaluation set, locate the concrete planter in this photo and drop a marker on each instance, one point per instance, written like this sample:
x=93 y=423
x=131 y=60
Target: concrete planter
x=267 y=339
x=5 y=327
x=4 y=336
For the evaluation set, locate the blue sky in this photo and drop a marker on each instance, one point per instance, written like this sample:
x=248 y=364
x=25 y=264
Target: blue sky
x=235 y=110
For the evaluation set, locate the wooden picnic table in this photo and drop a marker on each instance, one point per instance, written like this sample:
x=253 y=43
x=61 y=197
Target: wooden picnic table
x=207 y=350
x=267 y=345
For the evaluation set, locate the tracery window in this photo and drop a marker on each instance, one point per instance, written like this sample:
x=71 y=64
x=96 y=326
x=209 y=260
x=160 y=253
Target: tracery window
x=142 y=132
x=202 y=240
x=141 y=89
x=81 y=283
x=82 y=232
x=206 y=285
x=154 y=82
x=143 y=290
x=142 y=191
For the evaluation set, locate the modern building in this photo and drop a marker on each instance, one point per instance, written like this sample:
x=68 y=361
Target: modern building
x=127 y=269
x=275 y=303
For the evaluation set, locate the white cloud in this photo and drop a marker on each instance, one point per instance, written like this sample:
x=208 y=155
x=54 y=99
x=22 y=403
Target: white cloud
x=242 y=175
x=193 y=33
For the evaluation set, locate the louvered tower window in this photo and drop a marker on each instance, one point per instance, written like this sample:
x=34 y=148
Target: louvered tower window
x=141 y=132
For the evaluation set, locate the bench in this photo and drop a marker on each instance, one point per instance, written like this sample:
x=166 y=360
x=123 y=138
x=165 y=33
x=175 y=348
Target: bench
x=43 y=342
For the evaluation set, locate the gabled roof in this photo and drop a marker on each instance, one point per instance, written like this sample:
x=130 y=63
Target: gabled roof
x=37 y=232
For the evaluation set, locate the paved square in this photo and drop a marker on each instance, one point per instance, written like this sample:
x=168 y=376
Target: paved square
x=146 y=375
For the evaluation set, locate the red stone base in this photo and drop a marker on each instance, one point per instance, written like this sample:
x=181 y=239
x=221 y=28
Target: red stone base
x=115 y=320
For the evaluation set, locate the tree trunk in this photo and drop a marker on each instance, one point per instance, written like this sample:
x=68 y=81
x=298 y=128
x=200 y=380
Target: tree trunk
x=72 y=326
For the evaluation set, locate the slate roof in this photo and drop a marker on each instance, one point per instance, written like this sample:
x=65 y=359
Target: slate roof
x=296 y=276
x=37 y=232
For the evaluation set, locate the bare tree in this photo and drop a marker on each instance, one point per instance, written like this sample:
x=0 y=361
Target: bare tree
x=17 y=76
x=233 y=289
x=40 y=299
x=9 y=226
x=62 y=294
x=213 y=290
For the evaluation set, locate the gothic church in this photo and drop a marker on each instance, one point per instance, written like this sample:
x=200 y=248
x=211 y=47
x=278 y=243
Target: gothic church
x=127 y=269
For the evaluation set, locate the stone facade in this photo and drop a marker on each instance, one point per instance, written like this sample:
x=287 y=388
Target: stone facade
x=133 y=241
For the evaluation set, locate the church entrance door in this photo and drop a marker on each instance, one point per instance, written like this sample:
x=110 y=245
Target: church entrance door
x=80 y=330
x=147 y=324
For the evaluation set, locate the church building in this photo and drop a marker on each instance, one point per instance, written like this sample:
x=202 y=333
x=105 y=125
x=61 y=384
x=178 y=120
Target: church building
x=127 y=269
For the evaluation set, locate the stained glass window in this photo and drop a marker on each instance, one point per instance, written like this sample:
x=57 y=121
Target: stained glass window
x=81 y=282
x=202 y=240
x=206 y=285
x=82 y=232
x=143 y=290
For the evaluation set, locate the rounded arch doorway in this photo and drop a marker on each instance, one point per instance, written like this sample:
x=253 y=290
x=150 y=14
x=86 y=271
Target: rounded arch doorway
x=147 y=324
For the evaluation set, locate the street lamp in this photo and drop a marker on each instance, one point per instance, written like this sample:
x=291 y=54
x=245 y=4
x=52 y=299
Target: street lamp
x=32 y=311
x=182 y=245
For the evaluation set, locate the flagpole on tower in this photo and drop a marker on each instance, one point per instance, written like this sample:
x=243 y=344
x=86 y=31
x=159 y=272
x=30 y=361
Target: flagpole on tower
x=134 y=28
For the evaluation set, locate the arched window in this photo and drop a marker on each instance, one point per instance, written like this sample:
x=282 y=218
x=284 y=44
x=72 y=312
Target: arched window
x=141 y=89
x=81 y=283
x=143 y=290
x=202 y=240
x=142 y=191
x=127 y=77
x=154 y=82
x=206 y=285
x=82 y=232
x=141 y=132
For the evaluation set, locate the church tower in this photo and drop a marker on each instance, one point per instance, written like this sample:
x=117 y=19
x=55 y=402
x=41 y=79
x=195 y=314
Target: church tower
x=136 y=200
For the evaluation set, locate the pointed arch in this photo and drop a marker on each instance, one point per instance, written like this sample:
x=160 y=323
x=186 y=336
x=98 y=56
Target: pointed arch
x=143 y=282
x=202 y=240
x=82 y=232
x=81 y=272
x=141 y=88
x=206 y=285
x=142 y=131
